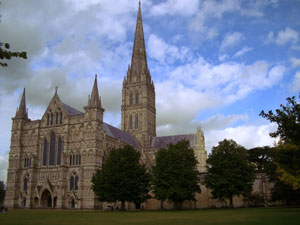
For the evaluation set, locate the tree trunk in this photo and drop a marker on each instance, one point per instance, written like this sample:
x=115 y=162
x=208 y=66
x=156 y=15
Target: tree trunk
x=231 y=201
x=123 y=206
x=178 y=205
x=161 y=204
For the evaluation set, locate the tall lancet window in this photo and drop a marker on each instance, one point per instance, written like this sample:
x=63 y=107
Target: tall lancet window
x=45 y=152
x=136 y=121
x=52 y=149
x=59 y=151
x=25 y=184
x=56 y=118
x=131 y=99
x=51 y=118
x=137 y=98
x=130 y=122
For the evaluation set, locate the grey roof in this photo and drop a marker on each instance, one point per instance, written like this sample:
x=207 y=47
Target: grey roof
x=70 y=110
x=117 y=133
x=162 y=142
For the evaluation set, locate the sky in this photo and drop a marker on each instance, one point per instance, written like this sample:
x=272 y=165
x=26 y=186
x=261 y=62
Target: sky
x=215 y=64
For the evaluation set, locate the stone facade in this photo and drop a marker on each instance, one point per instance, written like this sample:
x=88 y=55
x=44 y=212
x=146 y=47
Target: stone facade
x=52 y=160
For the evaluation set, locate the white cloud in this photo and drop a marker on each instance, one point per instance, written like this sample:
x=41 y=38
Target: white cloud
x=295 y=62
x=284 y=36
x=172 y=7
x=249 y=136
x=295 y=85
x=241 y=52
x=231 y=39
x=222 y=57
x=220 y=121
x=163 y=52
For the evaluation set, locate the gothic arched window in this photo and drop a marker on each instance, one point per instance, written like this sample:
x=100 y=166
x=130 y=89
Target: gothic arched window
x=136 y=121
x=130 y=122
x=137 y=98
x=72 y=182
x=52 y=149
x=56 y=118
x=131 y=99
x=45 y=152
x=61 y=117
x=76 y=183
x=25 y=184
x=51 y=118
x=59 y=151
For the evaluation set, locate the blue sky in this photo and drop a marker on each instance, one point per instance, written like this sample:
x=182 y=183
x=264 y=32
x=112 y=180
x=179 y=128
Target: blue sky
x=214 y=63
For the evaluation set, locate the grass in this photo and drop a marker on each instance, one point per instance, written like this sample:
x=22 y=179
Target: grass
x=272 y=216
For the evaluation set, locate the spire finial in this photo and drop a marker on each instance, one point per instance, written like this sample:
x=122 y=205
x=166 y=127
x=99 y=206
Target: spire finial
x=94 y=98
x=56 y=88
x=22 y=112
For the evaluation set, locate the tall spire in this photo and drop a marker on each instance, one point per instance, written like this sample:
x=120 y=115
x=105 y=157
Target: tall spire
x=94 y=101
x=22 y=112
x=139 y=59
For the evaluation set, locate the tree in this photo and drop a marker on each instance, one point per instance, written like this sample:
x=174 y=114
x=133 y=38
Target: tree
x=287 y=153
x=6 y=54
x=2 y=192
x=229 y=171
x=122 y=178
x=175 y=174
x=288 y=121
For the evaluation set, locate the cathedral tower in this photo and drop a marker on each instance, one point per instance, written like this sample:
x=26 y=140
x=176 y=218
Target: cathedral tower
x=138 y=93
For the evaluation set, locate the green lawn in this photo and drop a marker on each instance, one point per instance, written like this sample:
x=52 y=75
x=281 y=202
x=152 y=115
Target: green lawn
x=272 y=216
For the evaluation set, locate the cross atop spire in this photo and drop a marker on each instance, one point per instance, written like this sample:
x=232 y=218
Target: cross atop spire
x=139 y=59
x=94 y=100
x=22 y=112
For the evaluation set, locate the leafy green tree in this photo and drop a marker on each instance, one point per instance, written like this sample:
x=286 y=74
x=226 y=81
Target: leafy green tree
x=5 y=54
x=175 y=174
x=2 y=192
x=229 y=171
x=287 y=153
x=261 y=157
x=288 y=121
x=122 y=178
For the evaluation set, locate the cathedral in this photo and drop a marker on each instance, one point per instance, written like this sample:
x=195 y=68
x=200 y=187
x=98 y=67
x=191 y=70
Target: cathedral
x=52 y=160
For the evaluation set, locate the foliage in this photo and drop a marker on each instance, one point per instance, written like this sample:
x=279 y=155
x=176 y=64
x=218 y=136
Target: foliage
x=255 y=199
x=229 y=171
x=288 y=121
x=261 y=157
x=287 y=161
x=5 y=54
x=122 y=178
x=175 y=174
x=2 y=192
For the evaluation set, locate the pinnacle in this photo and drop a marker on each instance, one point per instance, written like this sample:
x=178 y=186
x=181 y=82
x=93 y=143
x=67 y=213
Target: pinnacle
x=22 y=112
x=94 y=99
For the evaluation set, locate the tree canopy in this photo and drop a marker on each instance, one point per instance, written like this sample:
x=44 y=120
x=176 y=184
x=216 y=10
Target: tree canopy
x=229 y=171
x=6 y=54
x=287 y=118
x=122 y=178
x=175 y=174
x=286 y=158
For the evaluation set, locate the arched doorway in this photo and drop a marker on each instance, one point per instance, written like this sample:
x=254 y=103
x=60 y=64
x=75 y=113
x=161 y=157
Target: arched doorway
x=46 y=199
x=24 y=202
x=54 y=202
x=73 y=203
x=35 y=202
